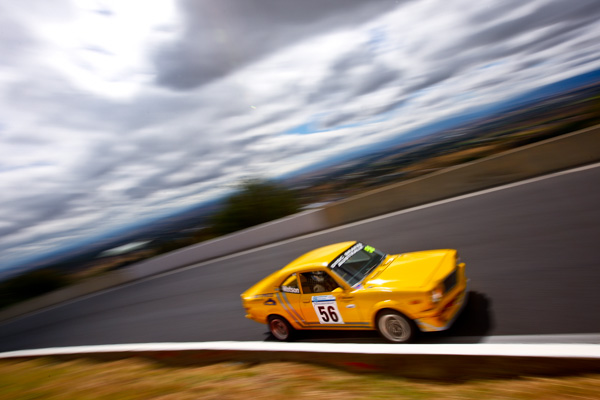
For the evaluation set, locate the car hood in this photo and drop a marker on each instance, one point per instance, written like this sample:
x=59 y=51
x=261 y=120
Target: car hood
x=418 y=270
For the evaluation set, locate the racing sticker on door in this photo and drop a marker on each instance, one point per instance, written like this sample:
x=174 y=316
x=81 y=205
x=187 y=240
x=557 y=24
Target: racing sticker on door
x=327 y=310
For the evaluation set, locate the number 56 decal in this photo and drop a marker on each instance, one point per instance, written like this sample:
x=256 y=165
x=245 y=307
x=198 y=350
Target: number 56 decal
x=327 y=310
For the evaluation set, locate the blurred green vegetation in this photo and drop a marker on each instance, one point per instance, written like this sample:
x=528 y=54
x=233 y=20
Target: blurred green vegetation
x=256 y=202
x=31 y=284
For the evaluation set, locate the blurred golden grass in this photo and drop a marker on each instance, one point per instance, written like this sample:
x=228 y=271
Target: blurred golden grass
x=46 y=378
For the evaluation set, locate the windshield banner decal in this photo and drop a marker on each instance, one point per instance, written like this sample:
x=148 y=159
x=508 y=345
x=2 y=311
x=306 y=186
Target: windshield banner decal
x=346 y=255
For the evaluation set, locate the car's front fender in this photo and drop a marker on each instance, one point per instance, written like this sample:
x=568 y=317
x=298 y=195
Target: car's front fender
x=390 y=304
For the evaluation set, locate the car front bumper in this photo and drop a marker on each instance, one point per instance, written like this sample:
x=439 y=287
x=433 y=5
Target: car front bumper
x=447 y=316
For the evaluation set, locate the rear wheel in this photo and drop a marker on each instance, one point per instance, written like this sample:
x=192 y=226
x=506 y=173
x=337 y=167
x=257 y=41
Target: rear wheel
x=395 y=327
x=280 y=328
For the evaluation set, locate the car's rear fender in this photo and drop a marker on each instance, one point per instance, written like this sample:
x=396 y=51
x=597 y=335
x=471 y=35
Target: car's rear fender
x=293 y=323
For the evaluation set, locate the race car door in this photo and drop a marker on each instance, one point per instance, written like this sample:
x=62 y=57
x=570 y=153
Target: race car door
x=289 y=297
x=324 y=306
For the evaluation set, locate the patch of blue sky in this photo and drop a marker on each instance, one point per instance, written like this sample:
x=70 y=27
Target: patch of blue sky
x=313 y=126
x=386 y=115
x=464 y=96
x=492 y=64
x=304 y=129
x=377 y=39
x=418 y=93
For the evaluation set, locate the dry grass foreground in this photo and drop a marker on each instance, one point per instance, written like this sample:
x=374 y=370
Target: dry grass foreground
x=45 y=378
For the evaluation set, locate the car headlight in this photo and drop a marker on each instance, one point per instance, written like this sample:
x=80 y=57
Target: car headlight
x=437 y=293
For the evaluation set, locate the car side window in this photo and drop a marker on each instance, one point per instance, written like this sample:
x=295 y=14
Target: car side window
x=290 y=285
x=317 y=282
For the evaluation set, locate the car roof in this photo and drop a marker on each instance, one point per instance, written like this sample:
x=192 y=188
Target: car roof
x=318 y=257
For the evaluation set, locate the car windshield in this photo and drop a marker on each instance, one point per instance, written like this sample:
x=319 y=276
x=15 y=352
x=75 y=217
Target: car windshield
x=356 y=263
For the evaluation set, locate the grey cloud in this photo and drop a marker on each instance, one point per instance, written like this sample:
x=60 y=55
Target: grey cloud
x=390 y=106
x=141 y=191
x=530 y=62
x=342 y=81
x=98 y=161
x=493 y=10
x=159 y=181
x=355 y=73
x=338 y=80
x=56 y=103
x=562 y=24
x=14 y=38
x=33 y=209
x=222 y=36
x=432 y=77
x=98 y=49
x=327 y=89
x=336 y=119
x=556 y=35
x=104 y=11
x=17 y=41
x=377 y=78
x=240 y=143
x=351 y=59
x=552 y=13
x=560 y=34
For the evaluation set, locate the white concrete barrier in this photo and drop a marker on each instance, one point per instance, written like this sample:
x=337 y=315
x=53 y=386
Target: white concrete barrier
x=423 y=361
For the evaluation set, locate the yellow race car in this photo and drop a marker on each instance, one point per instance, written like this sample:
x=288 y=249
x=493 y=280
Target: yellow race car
x=351 y=285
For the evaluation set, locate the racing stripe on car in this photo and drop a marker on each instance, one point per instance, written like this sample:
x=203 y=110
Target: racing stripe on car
x=287 y=310
x=287 y=302
x=344 y=325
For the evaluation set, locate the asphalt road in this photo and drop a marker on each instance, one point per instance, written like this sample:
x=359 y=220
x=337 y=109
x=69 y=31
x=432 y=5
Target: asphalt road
x=532 y=254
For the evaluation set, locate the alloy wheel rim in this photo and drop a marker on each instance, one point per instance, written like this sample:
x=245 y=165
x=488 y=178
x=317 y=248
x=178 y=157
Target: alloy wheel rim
x=395 y=328
x=278 y=329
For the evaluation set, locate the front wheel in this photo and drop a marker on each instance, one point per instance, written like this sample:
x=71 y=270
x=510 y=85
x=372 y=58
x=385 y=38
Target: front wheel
x=280 y=328
x=395 y=327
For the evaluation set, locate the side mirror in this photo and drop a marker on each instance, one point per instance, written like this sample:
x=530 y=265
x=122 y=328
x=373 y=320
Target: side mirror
x=338 y=290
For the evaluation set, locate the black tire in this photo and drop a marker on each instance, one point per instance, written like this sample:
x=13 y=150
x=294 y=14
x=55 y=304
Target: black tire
x=280 y=328
x=395 y=327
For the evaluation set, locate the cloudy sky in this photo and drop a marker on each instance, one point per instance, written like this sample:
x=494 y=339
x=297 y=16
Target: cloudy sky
x=116 y=111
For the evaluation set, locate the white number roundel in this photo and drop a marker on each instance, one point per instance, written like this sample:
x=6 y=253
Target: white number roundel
x=327 y=310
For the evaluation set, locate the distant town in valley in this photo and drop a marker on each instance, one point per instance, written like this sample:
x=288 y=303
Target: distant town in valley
x=536 y=120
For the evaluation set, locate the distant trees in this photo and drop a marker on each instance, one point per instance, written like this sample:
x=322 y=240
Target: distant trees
x=31 y=284
x=255 y=202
